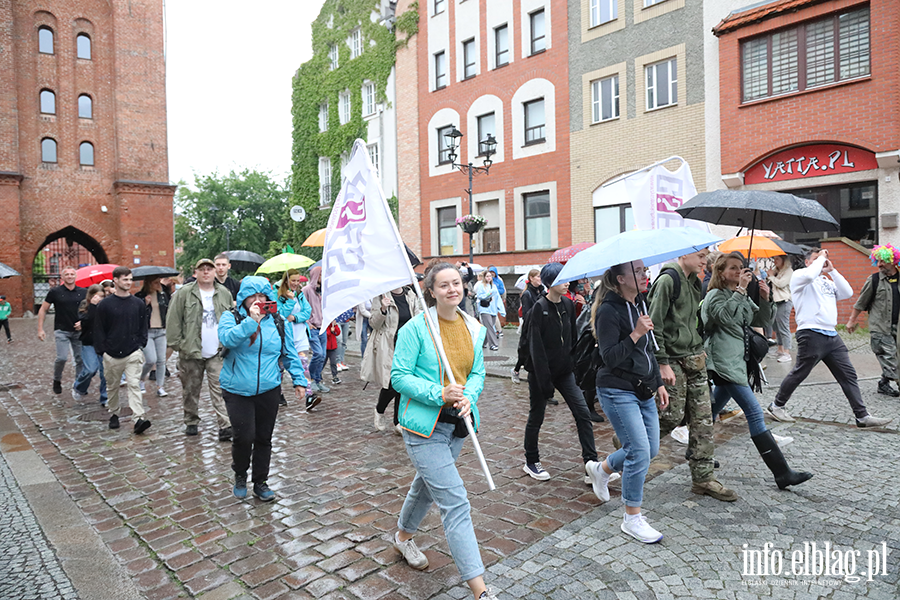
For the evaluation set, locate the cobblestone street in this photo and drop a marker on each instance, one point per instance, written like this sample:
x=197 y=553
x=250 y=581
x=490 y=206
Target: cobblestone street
x=162 y=502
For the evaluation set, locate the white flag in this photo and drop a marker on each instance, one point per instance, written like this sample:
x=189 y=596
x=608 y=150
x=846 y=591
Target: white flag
x=363 y=254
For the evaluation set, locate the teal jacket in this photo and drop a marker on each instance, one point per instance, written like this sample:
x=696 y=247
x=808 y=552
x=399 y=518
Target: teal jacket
x=5 y=310
x=252 y=368
x=417 y=373
x=300 y=308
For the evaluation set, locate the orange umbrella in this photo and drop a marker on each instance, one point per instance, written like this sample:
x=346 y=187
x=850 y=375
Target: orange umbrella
x=317 y=238
x=757 y=245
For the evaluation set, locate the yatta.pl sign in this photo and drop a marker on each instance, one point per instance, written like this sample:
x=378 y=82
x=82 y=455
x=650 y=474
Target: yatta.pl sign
x=810 y=161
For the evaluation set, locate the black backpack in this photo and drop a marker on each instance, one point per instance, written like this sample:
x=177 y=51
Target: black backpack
x=279 y=325
x=587 y=359
x=876 y=278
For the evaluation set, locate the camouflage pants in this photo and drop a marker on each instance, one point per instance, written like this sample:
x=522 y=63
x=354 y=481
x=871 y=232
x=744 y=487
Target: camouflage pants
x=689 y=397
x=885 y=349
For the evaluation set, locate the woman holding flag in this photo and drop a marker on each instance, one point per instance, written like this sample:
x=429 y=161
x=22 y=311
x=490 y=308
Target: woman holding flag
x=431 y=415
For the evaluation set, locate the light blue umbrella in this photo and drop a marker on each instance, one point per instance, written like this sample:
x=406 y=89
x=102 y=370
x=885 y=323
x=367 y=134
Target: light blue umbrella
x=653 y=246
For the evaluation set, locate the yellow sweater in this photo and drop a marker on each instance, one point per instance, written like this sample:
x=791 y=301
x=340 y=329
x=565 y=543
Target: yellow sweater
x=458 y=346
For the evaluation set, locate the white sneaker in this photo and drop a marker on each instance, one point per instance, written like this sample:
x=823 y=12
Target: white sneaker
x=515 y=376
x=637 y=527
x=77 y=396
x=411 y=553
x=162 y=393
x=782 y=440
x=488 y=595
x=398 y=430
x=536 y=471
x=612 y=477
x=680 y=434
x=784 y=358
x=599 y=479
x=122 y=381
x=380 y=421
x=143 y=388
x=779 y=413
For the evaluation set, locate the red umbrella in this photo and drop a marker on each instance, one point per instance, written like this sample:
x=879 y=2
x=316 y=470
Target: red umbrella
x=92 y=274
x=564 y=254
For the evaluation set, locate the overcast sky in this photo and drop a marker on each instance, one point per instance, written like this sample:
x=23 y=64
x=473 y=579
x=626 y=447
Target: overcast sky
x=229 y=65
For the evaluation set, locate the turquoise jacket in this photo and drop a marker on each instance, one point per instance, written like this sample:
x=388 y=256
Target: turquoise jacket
x=252 y=368
x=483 y=293
x=300 y=308
x=417 y=373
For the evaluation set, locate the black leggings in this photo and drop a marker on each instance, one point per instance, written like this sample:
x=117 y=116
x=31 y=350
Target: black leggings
x=384 y=398
x=5 y=324
x=252 y=422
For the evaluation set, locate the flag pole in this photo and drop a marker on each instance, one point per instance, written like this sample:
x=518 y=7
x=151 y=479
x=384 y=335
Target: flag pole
x=435 y=334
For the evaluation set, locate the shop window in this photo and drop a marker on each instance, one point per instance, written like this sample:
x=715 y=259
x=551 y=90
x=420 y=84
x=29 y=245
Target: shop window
x=612 y=220
x=45 y=40
x=48 y=102
x=537 y=220
x=447 y=230
x=83 y=46
x=854 y=206
x=85 y=107
x=812 y=54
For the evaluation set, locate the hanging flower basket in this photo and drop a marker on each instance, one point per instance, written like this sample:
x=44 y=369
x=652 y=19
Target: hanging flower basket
x=471 y=224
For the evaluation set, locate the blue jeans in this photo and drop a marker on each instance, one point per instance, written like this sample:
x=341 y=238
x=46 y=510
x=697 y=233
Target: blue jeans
x=90 y=366
x=438 y=481
x=364 y=337
x=746 y=399
x=317 y=347
x=636 y=423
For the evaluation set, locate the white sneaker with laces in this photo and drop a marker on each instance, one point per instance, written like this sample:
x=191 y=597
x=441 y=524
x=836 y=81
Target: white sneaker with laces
x=515 y=376
x=612 y=477
x=782 y=440
x=77 y=396
x=487 y=595
x=411 y=553
x=599 y=479
x=637 y=527
x=162 y=393
x=143 y=387
x=380 y=421
x=680 y=434
x=779 y=413
x=784 y=358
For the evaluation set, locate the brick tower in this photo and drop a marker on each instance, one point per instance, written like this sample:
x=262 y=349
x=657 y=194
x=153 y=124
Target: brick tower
x=83 y=149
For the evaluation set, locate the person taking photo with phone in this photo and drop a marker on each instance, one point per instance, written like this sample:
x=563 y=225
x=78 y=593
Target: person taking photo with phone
x=254 y=337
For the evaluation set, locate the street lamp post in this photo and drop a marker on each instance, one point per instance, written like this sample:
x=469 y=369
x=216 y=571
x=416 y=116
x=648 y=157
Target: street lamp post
x=490 y=148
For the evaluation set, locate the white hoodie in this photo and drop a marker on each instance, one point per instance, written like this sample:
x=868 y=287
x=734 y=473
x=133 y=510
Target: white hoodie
x=815 y=296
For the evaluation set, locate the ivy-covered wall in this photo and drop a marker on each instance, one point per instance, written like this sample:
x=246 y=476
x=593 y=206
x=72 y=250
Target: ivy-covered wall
x=315 y=83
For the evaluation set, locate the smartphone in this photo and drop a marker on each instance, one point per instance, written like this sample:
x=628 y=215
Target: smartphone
x=267 y=308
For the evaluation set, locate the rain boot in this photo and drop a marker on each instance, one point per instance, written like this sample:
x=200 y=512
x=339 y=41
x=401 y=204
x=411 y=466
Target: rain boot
x=774 y=459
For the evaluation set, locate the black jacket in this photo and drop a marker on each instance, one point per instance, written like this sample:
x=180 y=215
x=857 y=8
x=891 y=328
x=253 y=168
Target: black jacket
x=87 y=317
x=529 y=297
x=551 y=335
x=162 y=299
x=616 y=319
x=120 y=326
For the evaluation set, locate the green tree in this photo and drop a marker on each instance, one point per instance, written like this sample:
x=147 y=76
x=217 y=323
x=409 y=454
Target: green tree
x=238 y=211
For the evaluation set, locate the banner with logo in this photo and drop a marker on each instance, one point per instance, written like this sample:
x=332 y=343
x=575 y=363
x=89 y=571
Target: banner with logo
x=363 y=254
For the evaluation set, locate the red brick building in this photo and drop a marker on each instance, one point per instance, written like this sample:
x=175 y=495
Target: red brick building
x=83 y=148
x=496 y=67
x=809 y=104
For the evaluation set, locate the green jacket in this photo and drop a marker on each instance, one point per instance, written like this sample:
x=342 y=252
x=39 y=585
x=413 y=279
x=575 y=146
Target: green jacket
x=880 y=311
x=183 y=321
x=5 y=310
x=725 y=313
x=675 y=323
x=418 y=375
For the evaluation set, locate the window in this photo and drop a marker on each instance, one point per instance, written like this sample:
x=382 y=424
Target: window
x=612 y=220
x=652 y=2
x=85 y=107
x=333 y=56
x=820 y=52
x=537 y=220
x=368 y=99
x=344 y=112
x=605 y=99
x=440 y=70
x=48 y=102
x=45 y=40
x=603 y=11
x=501 y=45
x=538 y=31
x=443 y=145
x=486 y=126
x=439 y=6
x=48 y=150
x=534 y=121
x=83 y=46
x=446 y=218
x=323 y=117
x=86 y=154
x=469 y=59
x=324 y=181
x=355 y=43
x=374 y=158
x=662 y=84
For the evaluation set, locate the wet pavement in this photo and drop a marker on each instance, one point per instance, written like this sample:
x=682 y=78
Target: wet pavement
x=162 y=502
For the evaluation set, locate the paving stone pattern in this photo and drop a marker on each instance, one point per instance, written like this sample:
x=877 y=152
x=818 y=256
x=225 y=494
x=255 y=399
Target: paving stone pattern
x=29 y=569
x=163 y=502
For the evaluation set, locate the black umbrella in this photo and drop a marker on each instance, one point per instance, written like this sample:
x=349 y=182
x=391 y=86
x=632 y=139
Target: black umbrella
x=413 y=259
x=776 y=211
x=244 y=260
x=7 y=271
x=789 y=248
x=148 y=271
